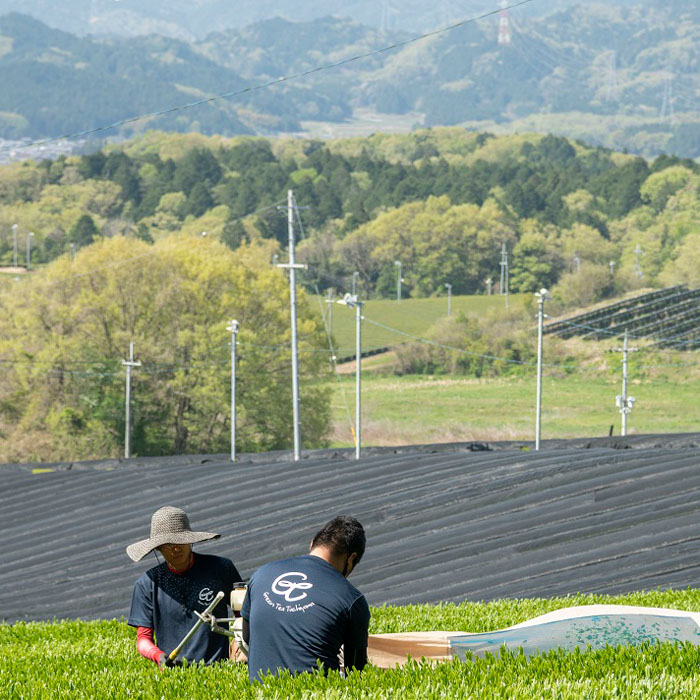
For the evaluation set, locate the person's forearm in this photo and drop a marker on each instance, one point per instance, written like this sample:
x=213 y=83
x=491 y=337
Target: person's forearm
x=354 y=658
x=145 y=644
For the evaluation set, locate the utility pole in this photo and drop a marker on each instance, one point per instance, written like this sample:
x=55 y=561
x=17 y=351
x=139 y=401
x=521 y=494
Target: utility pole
x=577 y=263
x=351 y=300
x=398 y=280
x=358 y=378
x=354 y=282
x=127 y=430
x=667 y=104
x=29 y=250
x=14 y=234
x=612 y=268
x=489 y=285
x=449 y=297
x=72 y=251
x=504 y=272
x=637 y=267
x=541 y=296
x=622 y=401
x=292 y=266
x=329 y=301
x=503 y=264
x=233 y=328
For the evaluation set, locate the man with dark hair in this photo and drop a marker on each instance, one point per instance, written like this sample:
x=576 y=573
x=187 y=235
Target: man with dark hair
x=302 y=610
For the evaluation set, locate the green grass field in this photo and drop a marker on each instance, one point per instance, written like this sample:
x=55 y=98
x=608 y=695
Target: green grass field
x=99 y=660
x=428 y=409
x=412 y=316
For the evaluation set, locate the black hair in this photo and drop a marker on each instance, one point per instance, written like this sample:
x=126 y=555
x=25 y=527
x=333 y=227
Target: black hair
x=342 y=535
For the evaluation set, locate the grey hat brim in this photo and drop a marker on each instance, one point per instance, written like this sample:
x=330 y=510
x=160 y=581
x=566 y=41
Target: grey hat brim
x=139 y=550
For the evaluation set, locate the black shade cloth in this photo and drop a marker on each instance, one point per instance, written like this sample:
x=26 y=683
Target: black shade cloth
x=443 y=522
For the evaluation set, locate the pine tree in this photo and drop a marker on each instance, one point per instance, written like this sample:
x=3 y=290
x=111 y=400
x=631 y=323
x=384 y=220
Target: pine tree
x=84 y=231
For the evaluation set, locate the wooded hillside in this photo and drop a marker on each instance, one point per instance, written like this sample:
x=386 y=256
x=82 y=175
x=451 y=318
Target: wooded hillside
x=623 y=77
x=441 y=201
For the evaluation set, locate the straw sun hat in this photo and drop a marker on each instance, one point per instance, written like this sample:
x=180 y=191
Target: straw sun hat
x=169 y=525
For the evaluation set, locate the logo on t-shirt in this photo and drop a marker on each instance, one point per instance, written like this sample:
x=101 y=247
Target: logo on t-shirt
x=286 y=584
x=206 y=595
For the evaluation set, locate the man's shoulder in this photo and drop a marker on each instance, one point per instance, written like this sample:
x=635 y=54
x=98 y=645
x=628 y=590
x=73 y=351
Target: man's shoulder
x=281 y=564
x=353 y=591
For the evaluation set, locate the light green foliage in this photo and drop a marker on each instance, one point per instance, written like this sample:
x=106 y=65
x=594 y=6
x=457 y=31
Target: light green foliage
x=19 y=181
x=484 y=617
x=585 y=286
x=684 y=268
x=41 y=660
x=660 y=186
x=212 y=222
x=535 y=263
x=409 y=148
x=586 y=243
x=171 y=203
x=435 y=242
x=660 y=230
x=492 y=345
x=65 y=335
x=170 y=145
x=52 y=211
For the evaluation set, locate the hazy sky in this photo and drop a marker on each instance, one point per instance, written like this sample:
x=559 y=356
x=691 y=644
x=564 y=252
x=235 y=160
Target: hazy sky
x=196 y=18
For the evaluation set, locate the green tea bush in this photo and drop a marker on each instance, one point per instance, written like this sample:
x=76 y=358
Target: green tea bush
x=78 y=659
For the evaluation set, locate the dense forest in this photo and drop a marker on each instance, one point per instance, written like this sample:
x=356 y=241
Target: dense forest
x=442 y=201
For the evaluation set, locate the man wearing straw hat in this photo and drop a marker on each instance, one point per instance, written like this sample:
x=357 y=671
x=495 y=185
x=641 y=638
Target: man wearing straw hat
x=166 y=597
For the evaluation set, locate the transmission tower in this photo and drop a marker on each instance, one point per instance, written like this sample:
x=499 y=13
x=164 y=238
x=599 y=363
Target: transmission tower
x=667 y=103
x=94 y=17
x=637 y=267
x=386 y=16
x=611 y=82
x=504 y=35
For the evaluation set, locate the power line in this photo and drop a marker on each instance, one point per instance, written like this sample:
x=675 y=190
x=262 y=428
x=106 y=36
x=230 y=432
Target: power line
x=269 y=83
x=461 y=350
x=554 y=56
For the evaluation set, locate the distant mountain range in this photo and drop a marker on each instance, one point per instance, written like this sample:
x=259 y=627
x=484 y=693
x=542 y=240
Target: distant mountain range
x=191 y=19
x=622 y=77
x=53 y=83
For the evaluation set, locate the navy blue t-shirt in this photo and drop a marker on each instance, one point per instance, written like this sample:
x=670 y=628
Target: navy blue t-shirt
x=302 y=610
x=165 y=601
